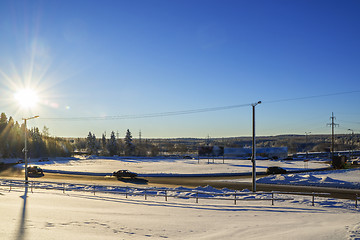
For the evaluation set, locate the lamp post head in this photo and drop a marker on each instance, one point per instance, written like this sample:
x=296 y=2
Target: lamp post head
x=254 y=104
x=31 y=117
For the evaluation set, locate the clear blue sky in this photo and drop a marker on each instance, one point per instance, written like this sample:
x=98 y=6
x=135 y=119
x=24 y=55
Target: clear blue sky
x=114 y=58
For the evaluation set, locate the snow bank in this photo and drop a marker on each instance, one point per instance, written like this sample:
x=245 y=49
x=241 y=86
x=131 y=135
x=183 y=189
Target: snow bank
x=339 y=178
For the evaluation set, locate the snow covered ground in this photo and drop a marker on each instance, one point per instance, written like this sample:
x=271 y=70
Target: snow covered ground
x=51 y=214
x=349 y=178
x=170 y=166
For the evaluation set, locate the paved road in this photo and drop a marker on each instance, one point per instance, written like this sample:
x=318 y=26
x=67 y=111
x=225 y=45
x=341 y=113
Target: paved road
x=217 y=182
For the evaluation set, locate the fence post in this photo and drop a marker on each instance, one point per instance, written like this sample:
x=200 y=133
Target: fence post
x=166 y=198
x=94 y=189
x=63 y=187
x=197 y=197
x=32 y=186
x=313 y=199
x=10 y=187
x=272 y=198
x=235 y=198
x=126 y=192
x=356 y=201
x=145 y=195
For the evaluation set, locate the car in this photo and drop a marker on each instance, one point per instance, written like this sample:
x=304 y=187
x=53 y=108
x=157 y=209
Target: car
x=35 y=171
x=124 y=174
x=275 y=170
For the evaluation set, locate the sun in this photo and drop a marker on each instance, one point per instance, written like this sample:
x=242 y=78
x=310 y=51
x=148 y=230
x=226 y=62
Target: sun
x=27 y=98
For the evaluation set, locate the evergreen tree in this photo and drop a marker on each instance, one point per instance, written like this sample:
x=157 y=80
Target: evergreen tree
x=91 y=143
x=37 y=145
x=12 y=141
x=129 y=146
x=96 y=145
x=112 y=145
x=45 y=132
x=3 y=142
x=3 y=122
x=103 y=144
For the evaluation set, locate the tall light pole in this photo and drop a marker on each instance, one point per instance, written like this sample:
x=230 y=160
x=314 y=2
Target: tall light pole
x=25 y=149
x=306 y=142
x=253 y=157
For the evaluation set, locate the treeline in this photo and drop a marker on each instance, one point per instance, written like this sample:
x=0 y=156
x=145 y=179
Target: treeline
x=127 y=146
x=40 y=144
x=113 y=146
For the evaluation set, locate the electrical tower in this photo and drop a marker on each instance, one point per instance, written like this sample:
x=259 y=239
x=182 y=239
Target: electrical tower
x=333 y=125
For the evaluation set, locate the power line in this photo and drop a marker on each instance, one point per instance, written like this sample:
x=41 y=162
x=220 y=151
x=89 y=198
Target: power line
x=313 y=96
x=152 y=115
x=192 y=111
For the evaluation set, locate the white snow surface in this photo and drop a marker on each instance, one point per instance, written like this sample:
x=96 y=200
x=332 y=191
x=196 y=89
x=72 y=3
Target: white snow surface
x=169 y=165
x=51 y=214
x=349 y=178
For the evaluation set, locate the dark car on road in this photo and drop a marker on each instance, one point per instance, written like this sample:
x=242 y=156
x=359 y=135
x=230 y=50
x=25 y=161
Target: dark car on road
x=35 y=171
x=124 y=174
x=275 y=170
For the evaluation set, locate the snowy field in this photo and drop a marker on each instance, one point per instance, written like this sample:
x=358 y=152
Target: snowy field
x=50 y=214
x=165 y=166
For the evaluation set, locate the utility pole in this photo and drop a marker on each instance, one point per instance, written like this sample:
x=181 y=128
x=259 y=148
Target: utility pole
x=25 y=149
x=333 y=125
x=253 y=157
x=140 y=136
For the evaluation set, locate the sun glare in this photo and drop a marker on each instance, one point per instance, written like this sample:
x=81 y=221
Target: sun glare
x=27 y=98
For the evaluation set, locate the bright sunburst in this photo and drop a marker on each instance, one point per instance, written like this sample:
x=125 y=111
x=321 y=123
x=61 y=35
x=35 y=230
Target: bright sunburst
x=27 y=98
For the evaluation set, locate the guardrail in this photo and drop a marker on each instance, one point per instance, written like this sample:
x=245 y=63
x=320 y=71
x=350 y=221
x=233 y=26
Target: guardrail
x=162 y=192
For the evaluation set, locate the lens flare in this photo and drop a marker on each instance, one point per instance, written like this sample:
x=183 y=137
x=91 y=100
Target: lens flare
x=27 y=98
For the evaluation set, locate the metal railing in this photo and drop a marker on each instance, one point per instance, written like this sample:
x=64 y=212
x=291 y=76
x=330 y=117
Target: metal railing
x=162 y=192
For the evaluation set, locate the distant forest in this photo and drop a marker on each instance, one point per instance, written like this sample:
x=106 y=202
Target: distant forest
x=41 y=144
x=154 y=147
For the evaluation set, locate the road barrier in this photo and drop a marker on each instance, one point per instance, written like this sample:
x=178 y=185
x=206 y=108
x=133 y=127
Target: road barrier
x=162 y=192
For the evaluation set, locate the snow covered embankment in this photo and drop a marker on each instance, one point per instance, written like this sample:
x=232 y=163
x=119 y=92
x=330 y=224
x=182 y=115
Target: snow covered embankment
x=337 y=179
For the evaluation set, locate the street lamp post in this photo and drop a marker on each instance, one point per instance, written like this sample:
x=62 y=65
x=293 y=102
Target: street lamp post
x=306 y=143
x=25 y=149
x=253 y=157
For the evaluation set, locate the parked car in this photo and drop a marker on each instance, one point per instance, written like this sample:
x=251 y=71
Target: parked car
x=275 y=170
x=44 y=159
x=124 y=174
x=35 y=171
